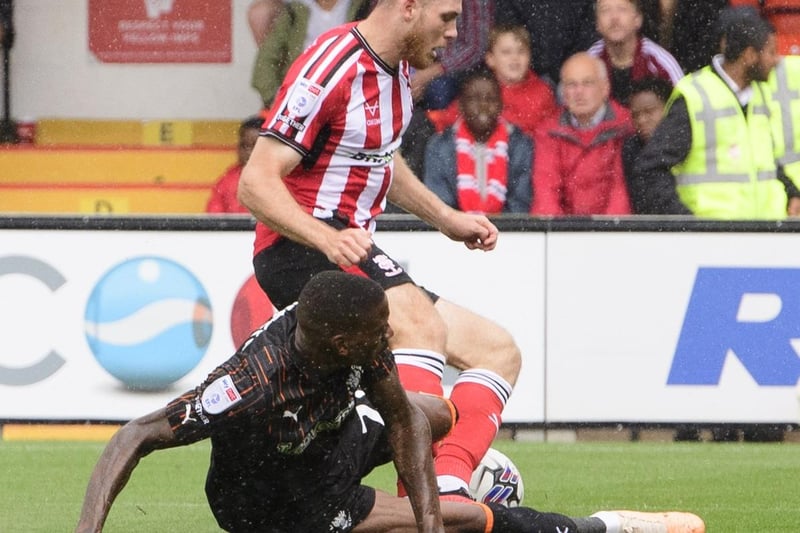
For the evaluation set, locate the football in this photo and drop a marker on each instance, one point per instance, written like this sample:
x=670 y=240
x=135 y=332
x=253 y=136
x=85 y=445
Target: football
x=497 y=480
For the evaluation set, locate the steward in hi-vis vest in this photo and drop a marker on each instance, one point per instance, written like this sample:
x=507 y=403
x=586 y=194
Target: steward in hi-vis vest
x=713 y=154
x=783 y=87
x=730 y=169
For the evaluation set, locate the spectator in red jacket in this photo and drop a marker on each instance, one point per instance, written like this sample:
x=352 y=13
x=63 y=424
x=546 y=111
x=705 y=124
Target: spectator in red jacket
x=628 y=55
x=577 y=167
x=527 y=100
x=223 y=195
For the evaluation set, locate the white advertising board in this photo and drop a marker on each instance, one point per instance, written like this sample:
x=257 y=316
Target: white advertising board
x=59 y=335
x=673 y=327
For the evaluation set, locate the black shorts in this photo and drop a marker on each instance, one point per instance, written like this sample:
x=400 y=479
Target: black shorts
x=283 y=269
x=330 y=499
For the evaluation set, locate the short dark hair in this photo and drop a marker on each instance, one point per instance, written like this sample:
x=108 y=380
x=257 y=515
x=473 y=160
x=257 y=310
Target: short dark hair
x=254 y=122
x=334 y=302
x=481 y=72
x=636 y=3
x=658 y=86
x=744 y=32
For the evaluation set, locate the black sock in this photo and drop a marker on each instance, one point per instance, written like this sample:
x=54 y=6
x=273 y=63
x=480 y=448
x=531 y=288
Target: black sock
x=527 y=520
x=590 y=524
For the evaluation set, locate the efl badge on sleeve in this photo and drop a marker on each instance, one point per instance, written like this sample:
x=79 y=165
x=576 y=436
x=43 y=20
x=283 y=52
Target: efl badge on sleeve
x=220 y=395
x=305 y=94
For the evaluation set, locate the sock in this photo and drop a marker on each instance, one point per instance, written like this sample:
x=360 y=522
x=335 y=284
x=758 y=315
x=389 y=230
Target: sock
x=420 y=370
x=480 y=396
x=527 y=520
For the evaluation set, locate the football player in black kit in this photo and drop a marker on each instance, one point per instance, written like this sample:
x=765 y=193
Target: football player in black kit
x=306 y=407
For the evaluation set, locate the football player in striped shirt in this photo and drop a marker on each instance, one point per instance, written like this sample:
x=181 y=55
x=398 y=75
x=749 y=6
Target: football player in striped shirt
x=326 y=164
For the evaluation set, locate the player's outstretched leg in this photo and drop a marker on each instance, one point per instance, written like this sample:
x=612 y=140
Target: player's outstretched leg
x=423 y=333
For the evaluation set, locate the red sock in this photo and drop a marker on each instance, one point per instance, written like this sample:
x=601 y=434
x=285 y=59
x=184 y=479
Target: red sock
x=420 y=370
x=479 y=396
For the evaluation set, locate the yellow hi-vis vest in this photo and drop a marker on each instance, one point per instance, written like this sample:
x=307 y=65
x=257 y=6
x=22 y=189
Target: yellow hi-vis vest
x=730 y=170
x=783 y=87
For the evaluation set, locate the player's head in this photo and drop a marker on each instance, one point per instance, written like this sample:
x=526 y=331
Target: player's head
x=342 y=319
x=649 y=96
x=430 y=25
x=509 y=53
x=248 y=135
x=480 y=103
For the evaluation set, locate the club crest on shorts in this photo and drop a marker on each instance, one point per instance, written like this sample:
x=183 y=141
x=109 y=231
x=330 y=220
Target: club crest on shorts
x=303 y=97
x=220 y=395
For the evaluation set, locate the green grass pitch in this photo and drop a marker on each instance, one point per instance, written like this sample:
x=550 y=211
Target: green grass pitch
x=735 y=487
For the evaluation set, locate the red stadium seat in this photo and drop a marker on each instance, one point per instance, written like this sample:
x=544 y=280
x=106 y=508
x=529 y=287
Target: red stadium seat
x=785 y=16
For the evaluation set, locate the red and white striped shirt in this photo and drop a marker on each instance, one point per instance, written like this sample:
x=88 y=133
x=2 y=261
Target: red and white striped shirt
x=345 y=111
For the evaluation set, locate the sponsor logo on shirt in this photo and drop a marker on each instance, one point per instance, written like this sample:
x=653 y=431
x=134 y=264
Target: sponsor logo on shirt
x=384 y=158
x=299 y=126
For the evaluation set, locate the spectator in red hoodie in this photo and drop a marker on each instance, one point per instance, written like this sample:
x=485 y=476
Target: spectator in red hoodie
x=577 y=167
x=223 y=195
x=527 y=99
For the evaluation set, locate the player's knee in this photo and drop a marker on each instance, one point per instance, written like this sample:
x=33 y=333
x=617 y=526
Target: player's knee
x=494 y=350
x=508 y=357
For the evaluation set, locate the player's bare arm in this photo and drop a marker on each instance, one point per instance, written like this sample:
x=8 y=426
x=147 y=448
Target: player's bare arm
x=263 y=192
x=408 y=192
x=133 y=441
x=409 y=434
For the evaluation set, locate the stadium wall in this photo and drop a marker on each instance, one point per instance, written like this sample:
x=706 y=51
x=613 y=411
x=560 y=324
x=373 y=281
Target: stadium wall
x=55 y=75
x=619 y=321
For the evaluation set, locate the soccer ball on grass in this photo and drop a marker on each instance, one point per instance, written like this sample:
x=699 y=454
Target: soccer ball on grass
x=497 y=480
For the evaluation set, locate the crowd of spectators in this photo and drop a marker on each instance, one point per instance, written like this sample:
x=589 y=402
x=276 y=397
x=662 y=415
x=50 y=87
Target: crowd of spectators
x=591 y=107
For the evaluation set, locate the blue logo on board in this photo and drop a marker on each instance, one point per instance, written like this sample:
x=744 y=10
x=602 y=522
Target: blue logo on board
x=148 y=322
x=753 y=313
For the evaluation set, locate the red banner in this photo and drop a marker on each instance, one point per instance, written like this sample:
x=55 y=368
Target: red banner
x=160 y=31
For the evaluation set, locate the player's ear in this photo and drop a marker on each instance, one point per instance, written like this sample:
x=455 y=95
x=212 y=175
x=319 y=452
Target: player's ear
x=410 y=8
x=340 y=345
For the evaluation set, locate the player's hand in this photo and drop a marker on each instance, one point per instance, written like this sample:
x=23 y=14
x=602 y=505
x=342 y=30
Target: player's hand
x=475 y=231
x=348 y=247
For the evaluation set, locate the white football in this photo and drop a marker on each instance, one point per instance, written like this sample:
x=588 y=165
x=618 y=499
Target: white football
x=497 y=480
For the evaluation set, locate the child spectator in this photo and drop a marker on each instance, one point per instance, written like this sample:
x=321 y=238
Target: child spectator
x=527 y=99
x=648 y=99
x=627 y=55
x=577 y=169
x=482 y=163
x=558 y=29
x=223 y=195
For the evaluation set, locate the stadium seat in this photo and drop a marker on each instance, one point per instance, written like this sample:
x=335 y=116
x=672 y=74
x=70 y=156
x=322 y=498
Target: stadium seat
x=135 y=133
x=115 y=200
x=785 y=16
x=106 y=180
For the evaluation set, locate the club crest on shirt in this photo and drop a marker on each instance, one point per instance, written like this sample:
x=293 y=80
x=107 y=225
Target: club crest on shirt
x=303 y=98
x=220 y=395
